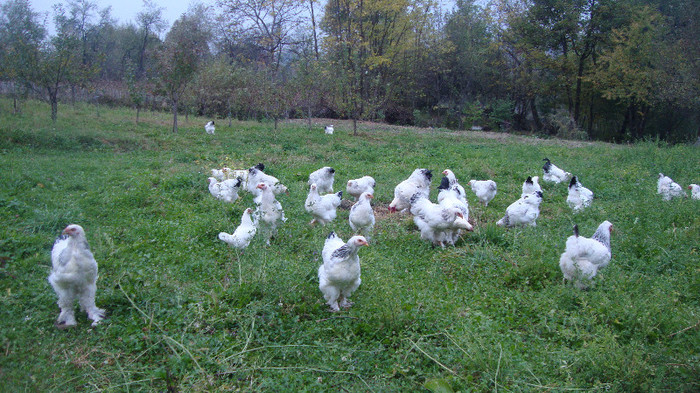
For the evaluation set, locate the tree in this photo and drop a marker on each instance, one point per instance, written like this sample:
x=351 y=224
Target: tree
x=21 y=37
x=365 y=41
x=184 y=48
x=150 y=23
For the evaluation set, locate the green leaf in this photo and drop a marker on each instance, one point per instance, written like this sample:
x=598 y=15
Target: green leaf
x=438 y=385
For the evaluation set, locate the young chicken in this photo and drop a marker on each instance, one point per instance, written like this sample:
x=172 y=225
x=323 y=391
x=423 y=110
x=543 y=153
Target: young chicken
x=579 y=196
x=356 y=187
x=552 y=173
x=668 y=189
x=524 y=211
x=531 y=185
x=322 y=208
x=485 y=190
x=339 y=275
x=418 y=182
x=583 y=257
x=74 y=276
x=242 y=236
x=323 y=178
x=362 y=216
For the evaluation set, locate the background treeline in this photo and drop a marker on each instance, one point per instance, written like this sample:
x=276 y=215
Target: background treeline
x=615 y=70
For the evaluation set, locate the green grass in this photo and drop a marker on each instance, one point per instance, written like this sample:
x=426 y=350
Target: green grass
x=187 y=313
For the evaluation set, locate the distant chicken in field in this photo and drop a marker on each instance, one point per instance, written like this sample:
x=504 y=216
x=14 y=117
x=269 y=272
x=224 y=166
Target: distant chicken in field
x=323 y=179
x=485 y=190
x=579 y=197
x=531 y=185
x=226 y=190
x=552 y=173
x=210 y=128
x=329 y=129
x=339 y=275
x=362 y=216
x=242 y=236
x=434 y=221
x=322 y=207
x=668 y=189
x=418 y=182
x=583 y=257
x=74 y=276
x=356 y=187
x=450 y=196
x=524 y=211
x=694 y=191
x=269 y=212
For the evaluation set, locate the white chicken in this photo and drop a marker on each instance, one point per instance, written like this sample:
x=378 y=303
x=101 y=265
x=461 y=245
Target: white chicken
x=450 y=196
x=323 y=178
x=434 y=221
x=694 y=191
x=339 y=275
x=357 y=187
x=220 y=174
x=418 y=182
x=269 y=212
x=668 y=189
x=210 y=128
x=322 y=207
x=583 y=257
x=242 y=236
x=485 y=190
x=552 y=173
x=579 y=197
x=74 y=276
x=524 y=211
x=329 y=129
x=531 y=185
x=362 y=216
x=226 y=190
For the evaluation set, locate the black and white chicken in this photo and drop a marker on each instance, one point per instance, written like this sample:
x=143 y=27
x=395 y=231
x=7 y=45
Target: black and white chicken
x=243 y=234
x=210 y=128
x=323 y=179
x=552 y=173
x=329 y=129
x=531 y=185
x=74 y=276
x=322 y=207
x=579 y=196
x=583 y=257
x=226 y=190
x=417 y=183
x=339 y=275
x=523 y=212
x=485 y=190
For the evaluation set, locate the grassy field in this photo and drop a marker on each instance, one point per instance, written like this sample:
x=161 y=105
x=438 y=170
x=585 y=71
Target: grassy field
x=187 y=313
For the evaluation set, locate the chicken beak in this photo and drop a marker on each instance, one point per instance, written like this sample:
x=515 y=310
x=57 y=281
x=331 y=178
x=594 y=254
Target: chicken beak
x=370 y=196
x=444 y=172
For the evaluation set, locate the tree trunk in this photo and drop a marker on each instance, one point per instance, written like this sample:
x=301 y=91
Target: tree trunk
x=275 y=117
x=308 y=108
x=313 y=26
x=174 y=110
x=535 y=115
x=354 y=126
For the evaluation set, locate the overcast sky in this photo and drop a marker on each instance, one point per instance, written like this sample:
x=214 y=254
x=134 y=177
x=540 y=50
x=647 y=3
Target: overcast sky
x=123 y=10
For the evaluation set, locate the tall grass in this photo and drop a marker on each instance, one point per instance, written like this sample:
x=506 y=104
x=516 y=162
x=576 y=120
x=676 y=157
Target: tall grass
x=187 y=313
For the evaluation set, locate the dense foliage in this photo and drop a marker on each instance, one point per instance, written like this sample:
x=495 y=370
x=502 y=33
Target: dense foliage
x=614 y=70
x=188 y=313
